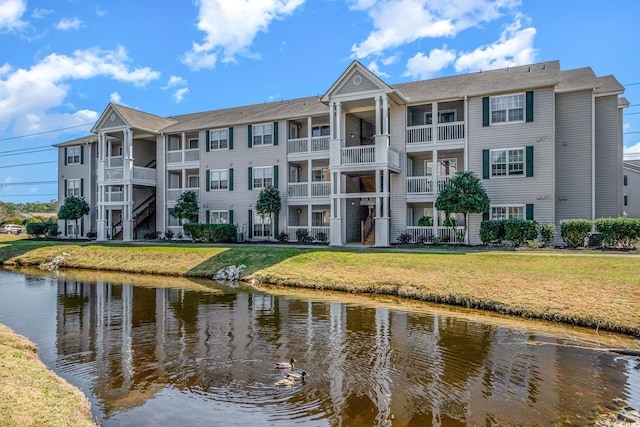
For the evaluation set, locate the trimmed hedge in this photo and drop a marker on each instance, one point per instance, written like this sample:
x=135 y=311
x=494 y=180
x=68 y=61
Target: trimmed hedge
x=216 y=233
x=40 y=230
x=575 y=231
x=518 y=231
x=618 y=232
x=492 y=232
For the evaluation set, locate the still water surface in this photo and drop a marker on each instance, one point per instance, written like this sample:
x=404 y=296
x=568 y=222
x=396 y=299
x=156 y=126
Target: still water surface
x=170 y=351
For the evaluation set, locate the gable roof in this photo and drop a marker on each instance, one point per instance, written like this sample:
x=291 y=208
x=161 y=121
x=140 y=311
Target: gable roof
x=134 y=118
x=88 y=139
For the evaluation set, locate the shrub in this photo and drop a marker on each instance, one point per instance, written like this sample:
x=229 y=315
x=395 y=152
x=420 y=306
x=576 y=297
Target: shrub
x=622 y=232
x=425 y=221
x=52 y=230
x=520 y=230
x=535 y=244
x=216 y=233
x=404 y=238
x=449 y=222
x=169 y=234
x=302 y=234
x=283 y=237
x=322 y=237
x=151 y=235
x=574 y=231
x=492 y=232
x=548 y=234
x=38 y=229
x=91 y=234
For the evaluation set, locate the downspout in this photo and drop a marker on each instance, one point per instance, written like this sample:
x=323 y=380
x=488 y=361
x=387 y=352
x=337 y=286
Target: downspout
x=593 y=160
x=466 y=159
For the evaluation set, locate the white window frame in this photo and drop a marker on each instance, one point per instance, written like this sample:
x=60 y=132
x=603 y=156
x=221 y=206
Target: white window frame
x=74 y=187
x=260 y=132
x=261 y=175
x=319 y=129
x=74 y=155
x=218 y=217
x=194 y=143
x=428 y=167
x=261 y=225
x=324 y=216
x=71 y=229
x=218 y=139
x=197 y=179
x=509 y=212
x=324 y=175
x=508 y=162
x=507 y=108
x=222 y=180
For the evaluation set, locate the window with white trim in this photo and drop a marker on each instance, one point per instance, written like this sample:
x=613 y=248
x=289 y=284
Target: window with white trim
x=507 y=212
x=193 y=181
x=320 y=175
x=507 y=162
x=193 y=143
x=262 y=176
x=261 y=225
x=218 y=217
x=219 y=139
x=320 y=218
x=219 y=179
x=74 y=187
x=508 y=108
x=71 y=228
x=74 y=155
x=263 y=134
x=320 y=131
x=171 y=221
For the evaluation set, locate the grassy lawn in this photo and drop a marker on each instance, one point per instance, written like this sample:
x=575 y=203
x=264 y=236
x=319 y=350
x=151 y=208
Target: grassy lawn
x=594 y=290
x=30 y=394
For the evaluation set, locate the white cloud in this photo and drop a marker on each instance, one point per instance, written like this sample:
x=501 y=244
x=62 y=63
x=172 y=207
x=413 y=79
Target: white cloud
x=397 y=22
x=179 y=94
x=389 y=60
x=425 y=67
x=99 y=12
x=175 y=81
x=231 y=26
x=67 y=24
x=40 y=13
x=10 y=13
x=44 y=86
x=515 y=47
x=115 y=98
x=5 y=69
x=634 y=149
x=374 y=68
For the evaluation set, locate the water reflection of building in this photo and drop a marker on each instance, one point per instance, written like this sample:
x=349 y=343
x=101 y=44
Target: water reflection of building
x=371 y=365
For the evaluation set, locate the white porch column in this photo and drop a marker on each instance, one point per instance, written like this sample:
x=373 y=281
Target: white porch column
x=127 y=214
x=339 y=121
x=385 y=115
x=435 y=120
x=310 y=134
x=383 y=221
x=332 y=124
x=436 y=191
x=101 y=221
x=183 y=146
x=377 y=98
x=335 y=223
x=309 y=175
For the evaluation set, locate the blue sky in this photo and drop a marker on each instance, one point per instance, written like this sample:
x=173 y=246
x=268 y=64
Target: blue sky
x=63 y=61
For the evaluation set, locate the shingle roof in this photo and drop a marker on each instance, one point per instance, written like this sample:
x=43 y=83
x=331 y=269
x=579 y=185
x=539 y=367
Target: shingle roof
x=82 y=140
x=608 y=84
x=623 y=102
x=141 y=120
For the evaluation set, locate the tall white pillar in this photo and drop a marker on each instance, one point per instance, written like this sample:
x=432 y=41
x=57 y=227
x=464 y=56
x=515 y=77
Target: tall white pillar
x=332 y=121
x=339 y=121
x=378 y=128
x=385 y=115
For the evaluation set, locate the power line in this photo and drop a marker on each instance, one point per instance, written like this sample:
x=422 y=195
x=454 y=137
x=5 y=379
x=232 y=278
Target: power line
x=26 y=149
x=630 y=114
x=29 y=152
x=631 y=84
x=2 y=196
x=6 y=184
x=28 y=164
x=44 y=132
x=627 y=133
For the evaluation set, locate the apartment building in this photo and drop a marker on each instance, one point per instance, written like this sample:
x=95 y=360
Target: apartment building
x=364 y=162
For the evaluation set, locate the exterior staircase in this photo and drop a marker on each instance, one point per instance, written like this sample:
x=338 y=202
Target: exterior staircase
x=140 y=214
x=368 y=230
x=370 y=240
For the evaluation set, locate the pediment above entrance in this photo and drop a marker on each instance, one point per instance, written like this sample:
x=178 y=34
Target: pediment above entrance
x=109 y=119
x=357 y=79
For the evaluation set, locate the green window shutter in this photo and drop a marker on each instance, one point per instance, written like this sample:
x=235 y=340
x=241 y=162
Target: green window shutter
x=529 y=160
x=65 y=227
x=82 y=154
x=485 y=216
x=208 y=179
x=276 y=225
x=485 y=111
x=230 y=216
x=625 y=180
x=275 y=176
x=529 y=211
x=82 y=226
x=65 y=187
x=231 y=138
x=207 y=142
x=250 y=224
x=65 y=156
x=250 y=174
x=208 y=217
x=485 y=164
x=230 y=179
x=529 y=105
x=275 y=134
x=250 y=132
x=81 y=187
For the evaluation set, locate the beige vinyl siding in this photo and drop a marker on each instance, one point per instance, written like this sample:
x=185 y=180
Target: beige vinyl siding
x=608 y=159
x=241 y=199
x=516 y=190
x=398 y=202
x=573 y=155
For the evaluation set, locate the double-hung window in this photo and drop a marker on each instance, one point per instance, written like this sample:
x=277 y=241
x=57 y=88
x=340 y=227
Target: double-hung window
x=74 y=155
x=219 y=179
x=320 y=131
x=73 y=187
x=218 y=217
x=262 y=177
x=263 y=134
x=507 y=212
x=320 y=218
x=508 y=108
x=261 y=225
x=507 y=162
x=193 y=144
x=219 y=139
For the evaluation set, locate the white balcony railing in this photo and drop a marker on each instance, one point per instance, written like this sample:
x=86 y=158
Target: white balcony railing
x=358 y=155
x=445 y=132
x=315 y=144
x=320 y=189
x=313 y=232
x=297 y=145
x=450 y=235
x=114 y=162
x=451 y=131
x=417 y=134
x=114 y=196
x=180 y=156
x=191 y=155
x=443 y=181
x=174 y=157
x=319 y=143
x=145 y=174
x=419 y=185
x=173 y=194
x=113 y=173
x=298 y=189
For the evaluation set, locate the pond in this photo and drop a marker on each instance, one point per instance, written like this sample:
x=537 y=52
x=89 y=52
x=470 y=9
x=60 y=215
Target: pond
x=151 y=351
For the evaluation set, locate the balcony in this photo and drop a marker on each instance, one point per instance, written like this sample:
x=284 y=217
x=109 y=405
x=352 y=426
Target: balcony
x=301 y=189
x=173 y=194
x=185 y=156
x=424 y=184
x=367 y=155
x=450 y=235
x=313 y=145
x=440 y=133
x=313 y=232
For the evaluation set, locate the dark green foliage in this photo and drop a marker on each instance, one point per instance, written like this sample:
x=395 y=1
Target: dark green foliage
x=92 y=234
x=151 y=235
x=269 y=203
x=215 y=233
x=283 y=237
x=519 y=231
x=38 y=229
x=575 y=231
x=73 y=209
x=303 y=236
x=169 y=234
x=425 y=221
x=492 y=232
x=322 y=237
x=186 y=206
x=548 y=234
x=405 y=237
x=618 y=232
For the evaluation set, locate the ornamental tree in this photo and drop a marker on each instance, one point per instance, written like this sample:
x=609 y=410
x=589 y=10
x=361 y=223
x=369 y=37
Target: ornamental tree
x=73 y=209
x=186 y=207
x=269 y=204
x=463 y=194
